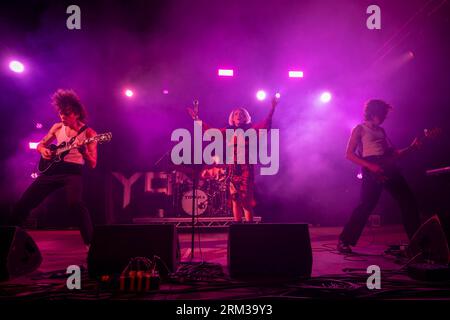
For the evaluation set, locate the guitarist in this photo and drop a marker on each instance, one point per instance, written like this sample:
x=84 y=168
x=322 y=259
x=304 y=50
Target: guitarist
x=370 y=139
x=67 y=173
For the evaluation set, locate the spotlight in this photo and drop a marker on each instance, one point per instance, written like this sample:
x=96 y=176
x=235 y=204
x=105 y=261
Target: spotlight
x=225 y=72
x=33 y=145
x=295 y=74
x=359 y=176
x=34 y=175
x=325 y=97
x=261 y=95
x=16 y=66
x=165 y=91
x=278 y=95
x=39 y=125
x=129 y=93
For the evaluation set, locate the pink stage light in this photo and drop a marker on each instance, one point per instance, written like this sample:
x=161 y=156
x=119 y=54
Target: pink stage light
x=278 y=95
x=261 y=95
x=295 y=74
x=225 y=72
x=165 y=91
x=34 y=175
x=129 y=93
x=33 y=145
x=39 y=125
x=325 y=97
x=16 y=66
x=359 y=176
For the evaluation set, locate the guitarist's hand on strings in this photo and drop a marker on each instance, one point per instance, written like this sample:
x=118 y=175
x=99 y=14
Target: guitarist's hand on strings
x=46 y=153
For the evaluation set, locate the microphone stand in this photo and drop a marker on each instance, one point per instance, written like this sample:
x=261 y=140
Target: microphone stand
x=194 y=197
x=195 y=178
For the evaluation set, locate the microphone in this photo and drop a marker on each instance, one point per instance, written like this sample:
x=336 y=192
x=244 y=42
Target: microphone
x=196 y=108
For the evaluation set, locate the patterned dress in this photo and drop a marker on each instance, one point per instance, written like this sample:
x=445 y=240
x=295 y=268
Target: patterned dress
x=242 y=176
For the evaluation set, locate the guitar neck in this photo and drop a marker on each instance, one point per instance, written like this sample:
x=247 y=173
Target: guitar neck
x=71 y=146
x=100 y=138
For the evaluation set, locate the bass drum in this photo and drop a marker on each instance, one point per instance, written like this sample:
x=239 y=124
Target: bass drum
x=201 y=202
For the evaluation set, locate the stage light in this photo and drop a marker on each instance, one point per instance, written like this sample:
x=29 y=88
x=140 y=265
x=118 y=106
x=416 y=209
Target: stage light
x=295 y=74
x=278 y=95
x=359 y=176
x=16 y=66
x=129 y=93
x=325 y=97
x=225 y=72
x=33 y=145
x=39 y=125
x=165 y=91
x=34 y=175
x=261 y=95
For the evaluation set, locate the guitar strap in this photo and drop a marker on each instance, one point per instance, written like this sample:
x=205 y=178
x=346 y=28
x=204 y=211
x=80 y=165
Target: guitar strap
x=78 y=133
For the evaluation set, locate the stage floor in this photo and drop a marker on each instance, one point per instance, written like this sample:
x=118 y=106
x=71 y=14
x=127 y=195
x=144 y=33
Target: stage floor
x=334 y=275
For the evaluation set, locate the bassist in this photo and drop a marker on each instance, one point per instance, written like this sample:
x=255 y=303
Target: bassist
x=370 y=139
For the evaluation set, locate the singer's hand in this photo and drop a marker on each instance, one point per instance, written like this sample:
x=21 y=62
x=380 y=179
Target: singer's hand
x=196 y=106
x=274 y=102
x=192 y=113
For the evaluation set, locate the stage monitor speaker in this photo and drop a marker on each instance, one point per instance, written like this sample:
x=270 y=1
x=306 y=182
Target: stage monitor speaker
x=19 y=254
x=429 y=243
x=269 y=250
x=113 y=246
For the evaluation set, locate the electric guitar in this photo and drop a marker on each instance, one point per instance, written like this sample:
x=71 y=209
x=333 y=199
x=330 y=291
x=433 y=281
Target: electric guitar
x=61 y=150
x=388 y=161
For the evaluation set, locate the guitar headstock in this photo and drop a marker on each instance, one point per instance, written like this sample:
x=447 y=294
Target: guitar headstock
x=432 y=133
x=103 y=137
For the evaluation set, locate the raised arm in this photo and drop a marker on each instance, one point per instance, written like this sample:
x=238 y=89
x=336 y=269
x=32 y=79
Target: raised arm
x=194 y=115
x=267 y=122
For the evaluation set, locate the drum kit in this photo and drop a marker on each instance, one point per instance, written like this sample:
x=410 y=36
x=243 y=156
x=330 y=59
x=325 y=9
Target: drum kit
x=211 y=192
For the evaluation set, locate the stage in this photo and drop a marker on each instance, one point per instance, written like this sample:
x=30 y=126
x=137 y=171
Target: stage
x=334 y=276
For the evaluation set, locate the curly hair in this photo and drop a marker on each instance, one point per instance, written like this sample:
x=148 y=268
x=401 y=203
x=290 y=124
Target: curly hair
x=375 y=107
x=66 y=101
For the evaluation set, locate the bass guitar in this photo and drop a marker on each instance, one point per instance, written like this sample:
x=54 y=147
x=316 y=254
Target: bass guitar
x=388 y=161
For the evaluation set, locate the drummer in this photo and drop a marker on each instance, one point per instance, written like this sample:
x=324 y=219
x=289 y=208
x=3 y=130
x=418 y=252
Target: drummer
x=214 y=172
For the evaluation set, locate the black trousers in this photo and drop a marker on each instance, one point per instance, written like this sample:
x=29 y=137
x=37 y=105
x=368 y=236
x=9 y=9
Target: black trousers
x=370 y=194
x=45 y=185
